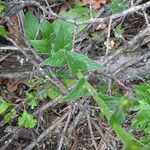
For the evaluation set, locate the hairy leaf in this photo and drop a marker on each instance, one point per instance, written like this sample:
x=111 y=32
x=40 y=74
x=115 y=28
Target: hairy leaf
x=43 y=45
x=47 y=29
x=31 y=25
x=58 y=59
x=78 y=61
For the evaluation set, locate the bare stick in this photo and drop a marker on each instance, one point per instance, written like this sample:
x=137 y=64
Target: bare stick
x=64 y=130
x=91 y=131
x=108 y=44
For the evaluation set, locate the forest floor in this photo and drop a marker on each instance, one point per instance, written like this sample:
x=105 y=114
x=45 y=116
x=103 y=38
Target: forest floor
x=120 y=42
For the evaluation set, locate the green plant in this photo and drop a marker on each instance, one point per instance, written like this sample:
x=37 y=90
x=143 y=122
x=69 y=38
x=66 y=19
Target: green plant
x=27 y=120
x=116 y=6
x=56 y=40
x=119 y=30
x=50 y=37
x=31 y=100
x=141 y=121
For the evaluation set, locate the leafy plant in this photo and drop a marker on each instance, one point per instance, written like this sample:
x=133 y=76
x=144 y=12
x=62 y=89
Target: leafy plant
x=27 y=120
x=77 y=62
x=51 y=37
x=55 y=39
x=141 y=121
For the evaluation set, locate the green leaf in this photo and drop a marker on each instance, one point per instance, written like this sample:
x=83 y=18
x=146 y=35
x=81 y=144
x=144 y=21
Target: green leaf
x=118 y=116
x=32 y=103
x=47 y=29
x=116 y=6
x=3 y=105
x=79 y=62
x=78 y=13
x=43 y=45
x=10 y=115
x=76 y=61
x=2 y=31
x=111 y=101
x=76 y=65
x=2 y=7
x=64 y=30
x=31 y=25
x=69 y=82
x=143 y=116
x=63 y=38
x=58 y=59
x=27 y=120
x=78 y=91
x=53 y=92
x=31 y=100
x=56 y=35
x=143 y=91
x=141 y=120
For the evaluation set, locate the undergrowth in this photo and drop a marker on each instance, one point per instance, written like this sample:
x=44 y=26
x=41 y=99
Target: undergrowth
x=55 y=40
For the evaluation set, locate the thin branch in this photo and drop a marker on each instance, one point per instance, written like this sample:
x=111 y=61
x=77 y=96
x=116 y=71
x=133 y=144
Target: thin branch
x=91 y=131
x=108 y=44
x=93 y=20
x=146 y=19
x=64 y=130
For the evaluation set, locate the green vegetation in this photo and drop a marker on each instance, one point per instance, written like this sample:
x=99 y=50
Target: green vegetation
x=55 y=40
x=116 y=6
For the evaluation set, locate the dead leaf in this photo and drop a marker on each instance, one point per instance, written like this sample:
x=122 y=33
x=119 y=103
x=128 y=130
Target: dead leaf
x=101 y=26
x=95 y=4
x=113 y=92
x=111 y=44
x=15 y=30
x=12 y=84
